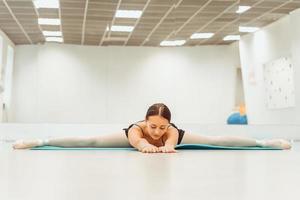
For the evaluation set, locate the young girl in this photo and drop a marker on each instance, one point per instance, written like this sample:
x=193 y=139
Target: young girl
x=154 y=134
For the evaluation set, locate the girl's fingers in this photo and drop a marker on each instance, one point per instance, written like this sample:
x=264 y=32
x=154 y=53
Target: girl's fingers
x=159 y=150
x=172 y=151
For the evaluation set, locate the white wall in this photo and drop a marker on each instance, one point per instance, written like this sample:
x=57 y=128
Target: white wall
x=85 y=84
x=277 y=40
x=239 y=94
x=295 y=35
x=6 y=48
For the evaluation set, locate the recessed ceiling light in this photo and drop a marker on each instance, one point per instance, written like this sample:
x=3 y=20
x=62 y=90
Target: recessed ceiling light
x=243 y=9
x=52 y=33
x=46 y=3
x=54 y=39
x=172 y=43
x=48 y=21
x=128 y=13
x=202 y=35
x=248 y=29
x=232 y=37
x=122 y=28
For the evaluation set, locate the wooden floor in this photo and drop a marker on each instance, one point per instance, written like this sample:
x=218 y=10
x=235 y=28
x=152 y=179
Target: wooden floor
x=189 y=174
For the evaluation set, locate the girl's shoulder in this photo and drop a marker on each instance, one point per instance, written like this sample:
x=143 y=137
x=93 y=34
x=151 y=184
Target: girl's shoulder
x=141 y=123
x=140 y=126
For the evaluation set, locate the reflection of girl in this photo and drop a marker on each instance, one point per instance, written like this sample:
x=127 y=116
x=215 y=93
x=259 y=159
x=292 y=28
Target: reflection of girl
x=154 y=134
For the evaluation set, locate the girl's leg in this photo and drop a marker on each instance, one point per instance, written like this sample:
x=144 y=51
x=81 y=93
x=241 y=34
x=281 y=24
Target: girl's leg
x=112 y=140
x=107 y=140
x=189 y=138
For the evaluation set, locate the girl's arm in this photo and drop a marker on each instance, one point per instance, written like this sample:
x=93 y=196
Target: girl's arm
x=136 y=140
x=171 y=141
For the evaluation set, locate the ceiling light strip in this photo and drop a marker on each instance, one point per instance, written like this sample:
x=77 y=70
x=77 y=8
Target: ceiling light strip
x=248 y=29
x=202 y=35
x=232 y=37
x=243 y=9
x=172 y=43
x=136 y=23
x=84 y=20
x=17 y=21
x=52 y=33
x=128 y=14
x=54 y=39
x=46 y=4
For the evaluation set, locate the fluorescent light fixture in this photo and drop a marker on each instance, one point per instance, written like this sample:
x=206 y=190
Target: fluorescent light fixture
x=232 y=37
x=52 y=33
x=54 y=39
x=247 y=29
x=172 y=43
x=48 y=21
x=122 y=28
x=243 y=9
x=46 y=3
x=128 y=13
x=202 y=35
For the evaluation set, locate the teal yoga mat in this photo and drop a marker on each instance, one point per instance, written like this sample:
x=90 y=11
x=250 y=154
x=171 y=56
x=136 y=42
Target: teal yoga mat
x=179 y=147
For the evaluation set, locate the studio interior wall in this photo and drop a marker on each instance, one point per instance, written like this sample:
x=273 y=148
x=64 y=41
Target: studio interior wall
x=6 y=70
x=55 y=83
x=280 y=39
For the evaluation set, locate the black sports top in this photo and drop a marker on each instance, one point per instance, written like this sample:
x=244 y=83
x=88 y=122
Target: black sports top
x=180 y=131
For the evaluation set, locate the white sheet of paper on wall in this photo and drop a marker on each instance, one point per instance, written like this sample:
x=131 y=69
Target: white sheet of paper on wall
x=279 y=84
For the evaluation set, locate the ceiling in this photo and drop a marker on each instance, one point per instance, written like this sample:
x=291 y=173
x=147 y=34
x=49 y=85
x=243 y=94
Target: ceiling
x=85 y=21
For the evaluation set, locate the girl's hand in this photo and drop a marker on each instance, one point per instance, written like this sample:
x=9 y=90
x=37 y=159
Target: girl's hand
x=150 y=149
x=26 y=144
x=167 y=149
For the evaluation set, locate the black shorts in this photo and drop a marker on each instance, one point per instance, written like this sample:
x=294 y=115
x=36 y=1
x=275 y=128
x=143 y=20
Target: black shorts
x=180 y=132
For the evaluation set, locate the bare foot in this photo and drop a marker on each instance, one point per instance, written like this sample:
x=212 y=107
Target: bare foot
x=278 y=143
x=26 y=144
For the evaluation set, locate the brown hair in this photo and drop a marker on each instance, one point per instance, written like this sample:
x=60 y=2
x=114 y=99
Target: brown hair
x=159 y=109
